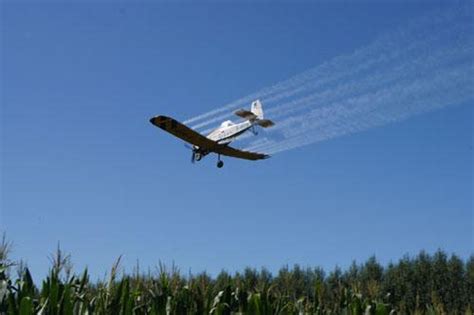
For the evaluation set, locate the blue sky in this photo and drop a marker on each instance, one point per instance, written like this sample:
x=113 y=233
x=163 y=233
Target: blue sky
x=81 y=165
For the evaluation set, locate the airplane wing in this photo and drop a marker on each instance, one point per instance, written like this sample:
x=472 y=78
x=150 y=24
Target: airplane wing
x=183 y=132
x=187 y=134
x=247 y=155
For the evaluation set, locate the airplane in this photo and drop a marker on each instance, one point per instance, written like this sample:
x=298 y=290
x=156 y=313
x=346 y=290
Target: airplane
x=219 y=139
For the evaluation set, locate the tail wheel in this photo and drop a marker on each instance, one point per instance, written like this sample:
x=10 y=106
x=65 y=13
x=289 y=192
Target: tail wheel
x=220 y=164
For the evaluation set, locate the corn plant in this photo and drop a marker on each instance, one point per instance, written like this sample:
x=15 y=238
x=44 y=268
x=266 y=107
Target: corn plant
x=363 y=289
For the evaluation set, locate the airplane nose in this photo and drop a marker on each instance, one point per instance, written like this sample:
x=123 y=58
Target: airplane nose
x=159 y=121
x=156 y=120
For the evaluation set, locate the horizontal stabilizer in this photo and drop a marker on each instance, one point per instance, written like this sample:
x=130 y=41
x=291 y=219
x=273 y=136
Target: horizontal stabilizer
x=245 y=114
x=265 y=123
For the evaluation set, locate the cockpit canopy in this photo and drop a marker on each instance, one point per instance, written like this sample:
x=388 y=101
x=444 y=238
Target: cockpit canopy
x=227 y=123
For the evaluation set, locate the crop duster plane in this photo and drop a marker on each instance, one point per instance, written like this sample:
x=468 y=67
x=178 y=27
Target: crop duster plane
x=219 y=139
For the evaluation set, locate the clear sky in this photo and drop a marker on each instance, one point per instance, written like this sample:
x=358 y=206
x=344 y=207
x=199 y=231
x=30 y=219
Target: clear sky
x=81 y=164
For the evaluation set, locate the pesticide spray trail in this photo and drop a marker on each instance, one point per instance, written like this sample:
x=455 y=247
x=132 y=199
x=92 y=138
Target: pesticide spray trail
x=388 y=105
x=403 y=72
x=438 y=74
x=387 y=49
x=415 y=59
x=420 y=67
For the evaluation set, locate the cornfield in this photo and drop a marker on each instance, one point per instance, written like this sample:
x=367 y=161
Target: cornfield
x=425 y=284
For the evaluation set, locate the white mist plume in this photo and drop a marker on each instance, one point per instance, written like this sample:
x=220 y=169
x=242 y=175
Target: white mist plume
x=375 y=109
x=423 y=66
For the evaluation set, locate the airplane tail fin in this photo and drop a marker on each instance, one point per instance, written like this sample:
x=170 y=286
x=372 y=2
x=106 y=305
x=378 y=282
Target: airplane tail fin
x=255 y=114
x=256 y=109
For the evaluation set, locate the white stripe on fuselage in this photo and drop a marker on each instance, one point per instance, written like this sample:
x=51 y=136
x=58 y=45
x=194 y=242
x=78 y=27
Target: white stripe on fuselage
x=222 y=134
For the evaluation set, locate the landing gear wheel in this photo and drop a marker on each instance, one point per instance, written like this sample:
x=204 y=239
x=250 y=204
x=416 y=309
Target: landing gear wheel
x=220 y=164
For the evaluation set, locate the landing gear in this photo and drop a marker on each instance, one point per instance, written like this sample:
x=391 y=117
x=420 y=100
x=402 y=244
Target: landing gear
x=219 y=162
x=254 y=131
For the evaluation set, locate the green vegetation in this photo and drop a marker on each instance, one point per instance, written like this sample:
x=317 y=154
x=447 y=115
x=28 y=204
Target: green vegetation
x=426 y=284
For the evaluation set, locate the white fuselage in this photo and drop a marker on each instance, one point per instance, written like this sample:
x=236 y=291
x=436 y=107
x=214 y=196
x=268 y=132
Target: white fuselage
x=228 y=131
